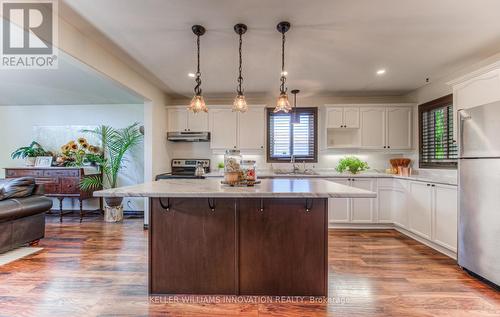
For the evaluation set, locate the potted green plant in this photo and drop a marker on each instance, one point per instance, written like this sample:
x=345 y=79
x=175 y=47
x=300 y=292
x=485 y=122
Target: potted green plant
x=220 y=166
x=352 y=164
x=115 y=144
x=29 y=153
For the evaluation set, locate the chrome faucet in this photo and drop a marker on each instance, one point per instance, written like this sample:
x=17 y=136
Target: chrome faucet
x=295 y=167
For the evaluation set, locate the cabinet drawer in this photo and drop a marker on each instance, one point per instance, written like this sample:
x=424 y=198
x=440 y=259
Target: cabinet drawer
x=70 y=185
x=23 y=173
x=59 y=173
x=50 y=188
x=46 y=180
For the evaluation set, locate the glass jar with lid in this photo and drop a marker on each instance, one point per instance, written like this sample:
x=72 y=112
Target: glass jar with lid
x=249 y=171
x=232 y=166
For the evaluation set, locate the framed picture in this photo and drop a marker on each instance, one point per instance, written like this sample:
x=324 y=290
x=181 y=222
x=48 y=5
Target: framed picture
x=43 y=161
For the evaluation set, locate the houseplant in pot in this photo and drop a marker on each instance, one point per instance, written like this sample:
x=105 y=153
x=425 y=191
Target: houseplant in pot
x=116 y=143
x=29 y=153
x=351 y=164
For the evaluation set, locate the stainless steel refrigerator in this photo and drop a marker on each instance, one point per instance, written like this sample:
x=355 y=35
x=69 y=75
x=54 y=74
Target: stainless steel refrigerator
x=479 y=191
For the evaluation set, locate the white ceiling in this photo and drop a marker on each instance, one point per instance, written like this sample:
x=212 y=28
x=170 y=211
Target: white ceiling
x=73 y=83
x=333 y=45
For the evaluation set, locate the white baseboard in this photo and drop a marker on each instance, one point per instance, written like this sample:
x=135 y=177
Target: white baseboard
x=381 y=226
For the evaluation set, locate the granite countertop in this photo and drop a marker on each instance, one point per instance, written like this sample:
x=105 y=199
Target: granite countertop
x=212 y=187
x=264 y=174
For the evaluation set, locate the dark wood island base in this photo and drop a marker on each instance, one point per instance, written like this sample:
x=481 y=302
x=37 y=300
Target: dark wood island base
x=238 y=246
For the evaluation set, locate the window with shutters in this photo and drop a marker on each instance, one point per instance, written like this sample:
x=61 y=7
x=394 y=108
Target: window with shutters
x=299 y=140
x=437 y=147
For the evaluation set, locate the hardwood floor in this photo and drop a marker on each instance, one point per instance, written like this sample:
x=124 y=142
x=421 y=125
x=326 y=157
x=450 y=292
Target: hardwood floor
x=99 y=269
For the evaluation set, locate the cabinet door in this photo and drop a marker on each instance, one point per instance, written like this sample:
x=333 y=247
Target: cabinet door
x=420 y=209
x=385 y=205
x=400 y=210
x=177 y=120
x=338 y=208
x=372 y=128
x=203 y=261
x=351 y=117
x=362 y=209
x=197 y=122
x=399 y=128
x=445 y=216
x=334 y=117
x=223 y=123
x=251 y=129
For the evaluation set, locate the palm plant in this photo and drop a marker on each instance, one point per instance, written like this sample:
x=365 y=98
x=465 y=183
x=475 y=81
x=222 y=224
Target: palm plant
x=115 y=143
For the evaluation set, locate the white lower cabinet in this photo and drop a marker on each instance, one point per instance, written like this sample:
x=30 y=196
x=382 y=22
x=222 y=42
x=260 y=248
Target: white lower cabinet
x=427 y=210
x=420 y=208
x=349 y=210
x=339 y=209
x=363 y=209
x=445 y=218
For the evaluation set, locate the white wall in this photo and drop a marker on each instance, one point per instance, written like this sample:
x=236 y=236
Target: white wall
x=16 y=129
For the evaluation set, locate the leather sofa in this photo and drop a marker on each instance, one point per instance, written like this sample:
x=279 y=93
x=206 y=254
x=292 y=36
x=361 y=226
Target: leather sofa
x=22 y=212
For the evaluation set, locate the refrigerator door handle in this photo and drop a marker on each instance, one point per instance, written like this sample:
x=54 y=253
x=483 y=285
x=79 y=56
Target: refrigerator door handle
x=462 y=116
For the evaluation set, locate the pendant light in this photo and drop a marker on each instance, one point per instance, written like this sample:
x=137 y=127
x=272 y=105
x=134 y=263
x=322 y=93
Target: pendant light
x=283 y=104
x=240 y=104
x=198 y=103
x=294 y=116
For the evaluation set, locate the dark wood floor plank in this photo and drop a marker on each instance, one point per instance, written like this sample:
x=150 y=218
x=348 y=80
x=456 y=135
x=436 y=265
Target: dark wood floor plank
x=100 y=269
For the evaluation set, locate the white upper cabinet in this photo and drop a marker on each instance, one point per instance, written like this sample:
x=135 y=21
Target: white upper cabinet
x=251 y=129
x=198 y=122
x=373 y=128
x=177 y=120
x=234 y=130
x=223 y=128
x=334 y=118
x=351 y=117
x=475 y=89
x=342 y=117
x=181 y=120
x=399 y=127
x=445 y=216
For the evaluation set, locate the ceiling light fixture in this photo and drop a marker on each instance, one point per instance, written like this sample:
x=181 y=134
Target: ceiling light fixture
x=240 y=104
x=192 y=75
x=295 y=117
x=283 y=104
x=380 y=71
x=198 y=103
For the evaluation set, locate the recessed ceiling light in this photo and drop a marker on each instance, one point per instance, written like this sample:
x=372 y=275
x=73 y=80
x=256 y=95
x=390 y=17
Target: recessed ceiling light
x=380 y=71
x=284 y=73
x=192 y=75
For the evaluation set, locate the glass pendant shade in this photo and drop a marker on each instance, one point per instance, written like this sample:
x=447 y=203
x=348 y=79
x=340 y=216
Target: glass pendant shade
x=198 y=104
x=283 y=104
x=294 y=117
x=240 y=103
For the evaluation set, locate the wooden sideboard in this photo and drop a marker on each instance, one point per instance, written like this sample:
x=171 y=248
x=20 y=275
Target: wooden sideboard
x=58 y=182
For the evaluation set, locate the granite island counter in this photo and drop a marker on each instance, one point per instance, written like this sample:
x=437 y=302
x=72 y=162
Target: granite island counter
x=209 y=238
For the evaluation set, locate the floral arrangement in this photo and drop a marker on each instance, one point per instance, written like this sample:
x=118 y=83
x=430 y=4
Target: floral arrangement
x=79 y=153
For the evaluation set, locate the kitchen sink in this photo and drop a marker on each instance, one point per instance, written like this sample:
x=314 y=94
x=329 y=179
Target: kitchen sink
x=294 y=173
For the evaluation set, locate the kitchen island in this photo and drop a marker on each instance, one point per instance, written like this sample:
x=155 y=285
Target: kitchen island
x=209 y=238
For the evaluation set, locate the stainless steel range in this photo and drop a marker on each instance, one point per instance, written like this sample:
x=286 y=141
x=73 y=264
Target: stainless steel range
x=185 y=168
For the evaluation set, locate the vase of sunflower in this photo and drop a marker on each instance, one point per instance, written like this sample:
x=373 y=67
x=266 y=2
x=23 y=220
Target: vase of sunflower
x=80 y=153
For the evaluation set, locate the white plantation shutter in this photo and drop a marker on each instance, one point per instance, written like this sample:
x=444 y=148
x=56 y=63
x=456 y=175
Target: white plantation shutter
x=285 y=138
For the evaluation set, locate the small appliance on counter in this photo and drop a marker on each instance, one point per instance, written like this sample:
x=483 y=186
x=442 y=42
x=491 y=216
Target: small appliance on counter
x=187 y=168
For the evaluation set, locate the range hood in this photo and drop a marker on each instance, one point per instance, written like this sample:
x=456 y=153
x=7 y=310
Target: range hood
x=188 y=136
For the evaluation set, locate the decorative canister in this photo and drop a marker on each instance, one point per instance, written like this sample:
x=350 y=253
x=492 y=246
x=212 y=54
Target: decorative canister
x=232 y=166
x=248 y=168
